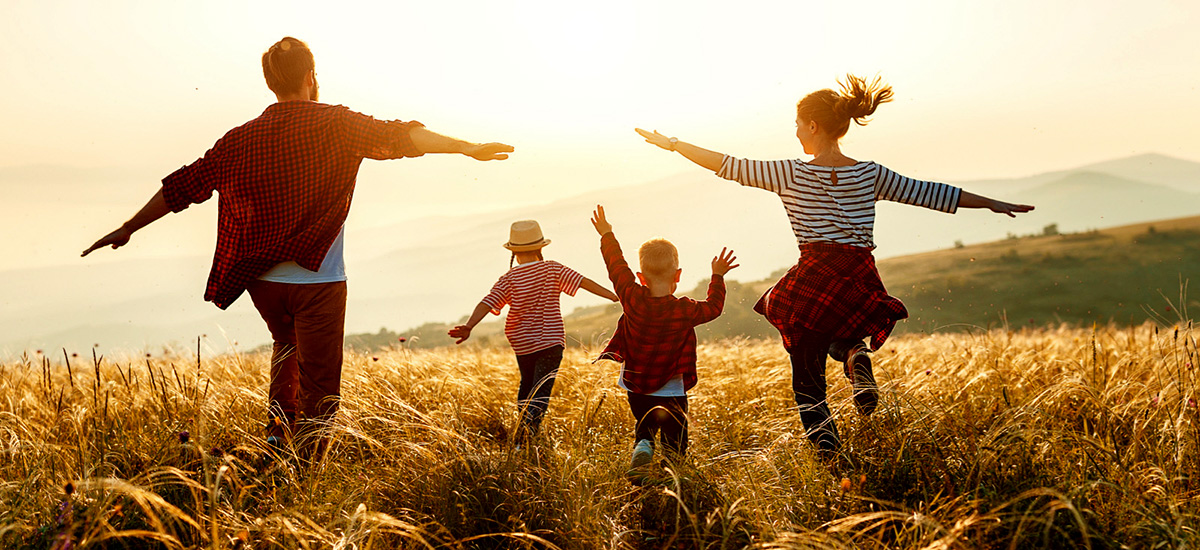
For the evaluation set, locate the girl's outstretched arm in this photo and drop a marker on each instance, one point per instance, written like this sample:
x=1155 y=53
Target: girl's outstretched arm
x=971 y=200
x=699 y=155
x=591 y=286
x=462 y=332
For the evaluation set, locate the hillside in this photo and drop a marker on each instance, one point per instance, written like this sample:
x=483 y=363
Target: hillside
x=1125 y=275
x=435 y=269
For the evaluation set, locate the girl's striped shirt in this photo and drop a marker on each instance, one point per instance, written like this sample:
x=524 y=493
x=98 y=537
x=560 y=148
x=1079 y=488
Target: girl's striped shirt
x=534 y=317
x=837 y=204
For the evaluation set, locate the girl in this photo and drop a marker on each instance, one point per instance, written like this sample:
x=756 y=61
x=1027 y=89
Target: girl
x=832 y=298
x=534 y=327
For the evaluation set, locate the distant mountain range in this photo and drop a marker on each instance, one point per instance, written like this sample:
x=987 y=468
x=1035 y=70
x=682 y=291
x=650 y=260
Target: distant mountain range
x=1124 y=275
x=436 y=269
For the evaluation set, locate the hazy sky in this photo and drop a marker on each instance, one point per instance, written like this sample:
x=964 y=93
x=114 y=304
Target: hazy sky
x=983 y=89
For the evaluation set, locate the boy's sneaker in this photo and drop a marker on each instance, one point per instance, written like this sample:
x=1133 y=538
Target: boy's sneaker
x=858 y=370
x=643 y=457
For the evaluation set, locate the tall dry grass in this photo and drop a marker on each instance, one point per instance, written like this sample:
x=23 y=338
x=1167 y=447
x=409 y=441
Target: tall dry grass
x=1056 y=437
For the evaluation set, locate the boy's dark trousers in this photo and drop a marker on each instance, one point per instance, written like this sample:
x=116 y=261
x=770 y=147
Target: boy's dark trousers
x=808 y=354
x=538 y=370
x=665 y=416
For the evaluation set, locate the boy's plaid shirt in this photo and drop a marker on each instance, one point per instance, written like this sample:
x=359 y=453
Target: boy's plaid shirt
x=284 y=182
x=655 y=336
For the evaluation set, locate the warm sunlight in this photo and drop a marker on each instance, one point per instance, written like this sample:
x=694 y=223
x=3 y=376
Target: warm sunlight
x=102 y=101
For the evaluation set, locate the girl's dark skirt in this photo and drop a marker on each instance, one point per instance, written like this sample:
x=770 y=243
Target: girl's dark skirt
x=834 y=290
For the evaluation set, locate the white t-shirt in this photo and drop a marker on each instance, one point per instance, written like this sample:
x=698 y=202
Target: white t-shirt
x=673 y=387
x=333 y=267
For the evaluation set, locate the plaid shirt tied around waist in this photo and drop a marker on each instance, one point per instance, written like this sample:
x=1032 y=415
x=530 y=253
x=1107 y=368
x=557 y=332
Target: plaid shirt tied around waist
x=284 y=180
x=655 y=336
x=834 y=289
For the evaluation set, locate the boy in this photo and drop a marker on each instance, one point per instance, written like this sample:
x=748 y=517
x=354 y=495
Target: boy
x=656 y=339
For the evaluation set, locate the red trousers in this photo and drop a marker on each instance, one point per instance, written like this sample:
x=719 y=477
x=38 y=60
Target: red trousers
x=307 y=323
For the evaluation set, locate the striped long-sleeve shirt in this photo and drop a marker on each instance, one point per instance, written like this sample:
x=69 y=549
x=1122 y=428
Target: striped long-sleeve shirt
x=824 y=207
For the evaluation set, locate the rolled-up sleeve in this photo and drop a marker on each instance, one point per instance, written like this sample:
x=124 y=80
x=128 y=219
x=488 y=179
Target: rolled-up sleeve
x=194 y=183
x=375 y=139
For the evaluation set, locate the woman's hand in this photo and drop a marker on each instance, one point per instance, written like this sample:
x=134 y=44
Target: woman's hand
x=967 y=199
x=655 y=138
x=1008 y=208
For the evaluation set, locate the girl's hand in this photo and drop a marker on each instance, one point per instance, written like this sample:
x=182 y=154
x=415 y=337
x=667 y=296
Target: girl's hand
x=724 y=262
x=462 y=332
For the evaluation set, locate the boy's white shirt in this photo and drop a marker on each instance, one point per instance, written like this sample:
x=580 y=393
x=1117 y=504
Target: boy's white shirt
x=332 y=270
x=673 y=387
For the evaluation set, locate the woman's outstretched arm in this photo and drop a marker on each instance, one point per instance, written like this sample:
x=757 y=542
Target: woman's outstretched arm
x=699 y=155
x=971 y=200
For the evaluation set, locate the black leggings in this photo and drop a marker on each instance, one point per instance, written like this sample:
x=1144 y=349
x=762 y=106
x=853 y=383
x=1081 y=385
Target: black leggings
x=665 y=416
x=808 y=355
x=538 y=370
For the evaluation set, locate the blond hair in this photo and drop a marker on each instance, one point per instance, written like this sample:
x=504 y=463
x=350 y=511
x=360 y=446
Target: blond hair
x=286 y=64
x=658 y=258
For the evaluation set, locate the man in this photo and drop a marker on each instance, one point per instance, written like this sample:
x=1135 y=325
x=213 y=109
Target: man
x=285 y=180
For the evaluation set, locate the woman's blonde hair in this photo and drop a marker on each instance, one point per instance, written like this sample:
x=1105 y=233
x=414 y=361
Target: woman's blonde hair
x=833 y=111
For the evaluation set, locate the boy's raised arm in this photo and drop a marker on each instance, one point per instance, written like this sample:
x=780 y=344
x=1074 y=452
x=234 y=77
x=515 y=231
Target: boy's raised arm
x=618 y=270
x=714 y=304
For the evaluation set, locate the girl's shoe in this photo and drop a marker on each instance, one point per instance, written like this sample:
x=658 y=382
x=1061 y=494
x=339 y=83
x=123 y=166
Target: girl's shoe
x=866 y=392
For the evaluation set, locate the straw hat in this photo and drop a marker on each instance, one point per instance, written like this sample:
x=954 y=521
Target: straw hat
x=524 y=236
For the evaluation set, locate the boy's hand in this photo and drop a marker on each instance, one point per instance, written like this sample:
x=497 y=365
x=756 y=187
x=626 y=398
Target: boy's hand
x=724 y=262
x=599 y=222
x=462 y=332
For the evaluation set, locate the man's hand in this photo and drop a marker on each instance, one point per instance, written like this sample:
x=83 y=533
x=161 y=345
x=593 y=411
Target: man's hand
x=462 y=332
x=599 y=222
x=724 y=262
x=488 y=151
x=116 y=239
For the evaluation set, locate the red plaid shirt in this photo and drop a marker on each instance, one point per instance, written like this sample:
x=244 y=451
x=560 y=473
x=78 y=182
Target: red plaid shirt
x=834 y=289
x=655 y=336
x=284 y=182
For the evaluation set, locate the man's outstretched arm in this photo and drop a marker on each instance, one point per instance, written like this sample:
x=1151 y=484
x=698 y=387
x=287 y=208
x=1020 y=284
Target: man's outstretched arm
x=432 y=142
x=153 y=210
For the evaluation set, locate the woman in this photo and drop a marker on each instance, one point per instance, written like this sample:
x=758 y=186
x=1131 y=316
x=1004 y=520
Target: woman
x=832 y=299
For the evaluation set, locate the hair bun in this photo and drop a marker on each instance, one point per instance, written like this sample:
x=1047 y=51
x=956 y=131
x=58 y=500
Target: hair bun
x=285 y=45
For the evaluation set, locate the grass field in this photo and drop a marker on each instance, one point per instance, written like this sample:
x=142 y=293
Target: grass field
x=1051 y=437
